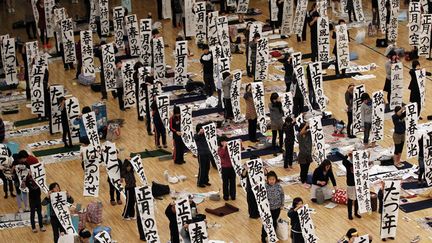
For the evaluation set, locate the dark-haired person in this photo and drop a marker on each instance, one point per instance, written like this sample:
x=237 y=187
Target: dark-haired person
x=350 y=236
x=253 y=52
x=304 y=139
x=204 y=157
x=57 y=228
x=228 y=173
x=83 y=138
x=119 y=84
x=65 y=123
x=251 y=115
x=40 y=6
x=320 y=179
x=421 y=163
x=288 y=130
x=351 y=10
x=296 y=231
x=170 y=213
x=398 y=119
x=175 y=128
x=250 y=197
x=351 y=190
x=206 y=61
x=276 y=120
x=276 y=198
x=35 y=203
x=313 y=25
x=415 y=96
x=2 y=130
x=128 y=176
x=335 y=48
x=135 y=77
x=289 y=70
x=226 y=88
x=26 y=158
x=6 y=175
x=392 y=59
x=85 y=236
x=366 y=117
x=159 y=126
x=349 y=102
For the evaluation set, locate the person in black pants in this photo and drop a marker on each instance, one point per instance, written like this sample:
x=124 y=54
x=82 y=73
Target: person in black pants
x=57 y=228
x=128 y=176
x=35 y=203
x=349 y=102
x=204 y=156
x=175 y=127
x=251 y=115
x=65 y=123
x=113 y=190
x=135 y=76
x=159 y=127
x=228 y=173
x=78 y=58
x=288 y=129
x=351 y=11
x=206 y=61
x=160 y=9
x=303 y=34
x=170 y=213
x=250 y=197
x=141 y=232
x=304 y=139
x=98 y=54
x=298 y=100
x=313 y=13
x=341 y=21
x=351 y=190
x=6 y=169
x=119 y=82
x=296 y=231
x=68 y=65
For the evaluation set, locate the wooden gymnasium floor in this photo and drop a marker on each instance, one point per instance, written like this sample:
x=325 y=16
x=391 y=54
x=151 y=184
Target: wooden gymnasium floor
x=330 y=224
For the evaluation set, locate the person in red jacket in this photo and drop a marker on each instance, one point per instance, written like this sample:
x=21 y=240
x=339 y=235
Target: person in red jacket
x=228 y=173
x=24 y=157
x=175 y=127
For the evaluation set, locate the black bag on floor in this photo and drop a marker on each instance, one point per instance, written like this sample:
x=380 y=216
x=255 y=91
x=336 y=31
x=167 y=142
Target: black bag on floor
x=96 y=87
x=381 y=43
x=159 y=190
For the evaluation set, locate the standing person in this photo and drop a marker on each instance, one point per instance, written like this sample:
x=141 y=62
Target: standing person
x=228 y=173
x=136 y=78
x=247 y=33
x=20 y=188
x=280 y=5
x=170 y=213
x=42 y=24
x=226 y=88
x=335 y=47
x=276 y=198
x=304 y=139
x=175 y=127
x=276 y=120
x=398 y=119
x=204 y=156
x=79 y=59
x=98 y=54
x=159 y=127
x=288 y=129
x=83 y=138
x=351 y=11
x=128 y=176
x=349 y=103
x=298 y=100
x=113 y=189
x=35 y=203
x=320 y=179
x=392 y=59
x=302 y=37
x=30 y=23
x=415 y=96
x=57 y=228
x=6 y=175
x=119 y=84
x=421 y=173
x=206 y=61
x=313 y=25
x=296 y=231
x=27 y=71
x=351 y=190
x=65 y=123
x=177 y=11
x=375 y=14
x=289 y=71
x=2 y=130
x=253 y=50
x=250 y=197
x=251 y=115
x=366 y=115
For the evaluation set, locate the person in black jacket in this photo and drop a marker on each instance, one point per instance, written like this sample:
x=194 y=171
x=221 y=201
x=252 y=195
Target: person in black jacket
x=170 y=213
x=128 y=177
x=175 y=127
x=204 y=157
x=415 y=96
x=55 y=223
x=341 y=21
x=313 y=25
x=159 y=127
x=320 y=179
x=113 y=190
x=35 y=203
x=250 y=197
x=288 y=129
x=289 y=70
x=65 y=123
x=296 y=231
x=135 y=76
x=351 y=190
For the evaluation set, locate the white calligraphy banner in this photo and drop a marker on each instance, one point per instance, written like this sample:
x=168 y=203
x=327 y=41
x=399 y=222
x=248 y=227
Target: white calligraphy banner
x=287 y=18
x=159 y=58
x=142 y=91
x=318 y=141
x=56 y=91
x=258 y=99
x=37 y=90
x=60 y=206
x=262 y=60
x=356 y=109
x=118 y=22
x=183 y=212
x=88 y=68
x=421 y=75
x=342 y=40
x=212 y=28
x=103 y=237
x=138 y=168
x=145 y=37
x=396 y=95
x=110 y=157
x=108 y=66
x=414 y=21
x=234 y=152
x=186 y=128
x=91 y=161
x=317 y=83
x=39 y=176
x=163 y=103
x=104 y=17
x=211 y=138
x=411 y=130
x=73 y=111
x=129 y=94
x=392 y=32
x=242 y=6
x=181 y=63
x=189 y=18
x=133 y=35
x=425 y=38
x=427 y=154
x=146 y=209
x=306 y=224
x=224 y=40
x=90 y=125
x=69 y=52
x=31 y=54
x=390 y=213
x=300 y=15
x=358 y=10
x=323 y=28
x=235 y=94
x=382 y=11
x=378 y=107
x=198 y=232
x=49 y=23
x=299 y=72
x=362 y=239
x=9 y=61
x=200 y=23
x=361 y=177
x=287 y=104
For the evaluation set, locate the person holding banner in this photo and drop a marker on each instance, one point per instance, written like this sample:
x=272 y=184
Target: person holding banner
x=276 y=199
x=350 y=9
x=253 y=49
x=228 y=173
x=128 y=176
x=204 y=157
x=351 y=235
x=421 y=172
x=34 y=202
x=113 y=189
x=65 y=123
x=375 y=14
x=415 y=96
x=349 y=102
x=159 y=127
x=313 y=25
x=296 y=231
x=288 y=129
x=135 y=77
x=42 y=24
x=392 y=59
x=119 y=84
x=335 y=48
x=57 y=228
x=226 y=88
x=250 y=197
x=82 y=131
x=250 y=115
x=366 y=117
x=175 y=128
x=304 y=139
x=6 y=176
x=206 y=61
x=351 y=190
x=289 y=70
x=320 y=179
x=276 y=120
x=170 y=213
x=398 y=119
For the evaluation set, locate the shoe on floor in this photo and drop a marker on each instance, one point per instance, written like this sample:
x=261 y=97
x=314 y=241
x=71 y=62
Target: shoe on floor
x=415 y=239
x=358 y=215
x=34 y=230
x=113 y=203
x=42 y=229
x=201 y=185
x=119 y=202
x=207 y=184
